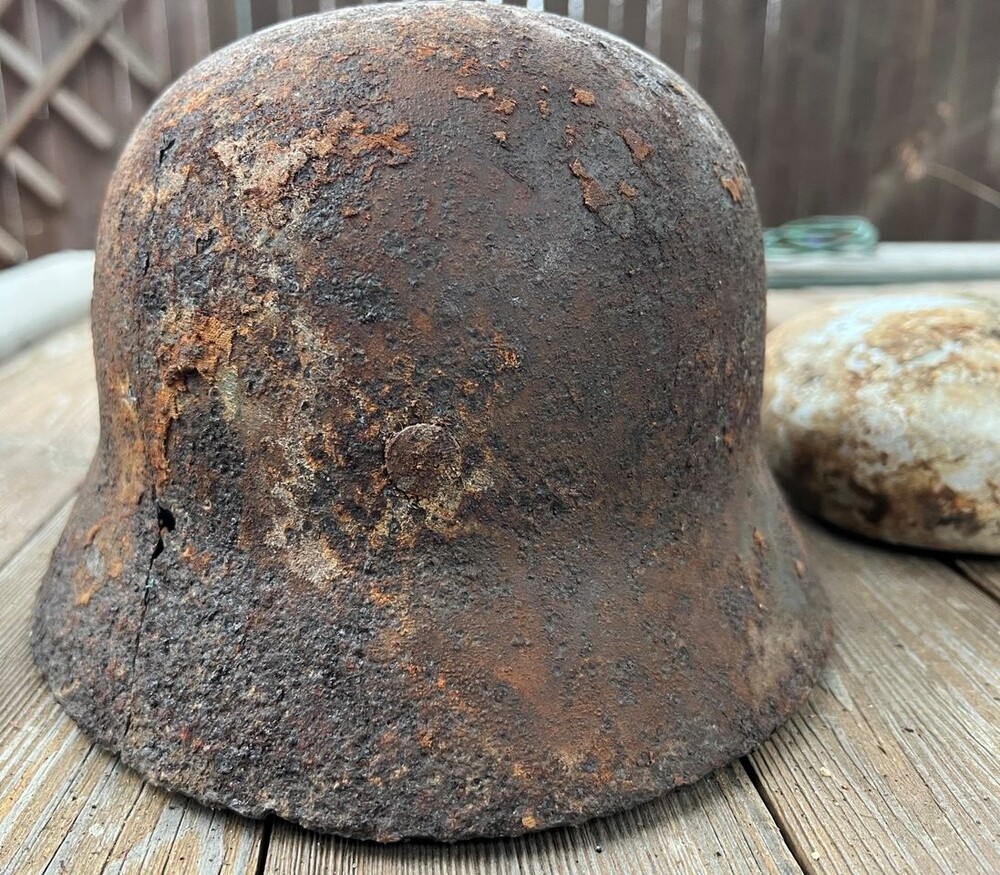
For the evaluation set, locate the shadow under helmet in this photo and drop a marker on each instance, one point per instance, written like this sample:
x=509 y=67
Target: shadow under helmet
x=429 y=499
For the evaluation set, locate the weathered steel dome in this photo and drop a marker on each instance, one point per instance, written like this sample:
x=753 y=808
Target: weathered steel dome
x=429 y=499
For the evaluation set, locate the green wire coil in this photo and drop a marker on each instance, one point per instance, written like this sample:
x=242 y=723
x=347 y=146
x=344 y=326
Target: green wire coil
x=848 y=234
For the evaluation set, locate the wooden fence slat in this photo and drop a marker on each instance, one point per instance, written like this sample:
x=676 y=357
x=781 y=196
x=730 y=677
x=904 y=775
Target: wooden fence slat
x=673 y=33
x=46 y=187
x=634 y=22
x=188 y=34
x=596 y=12
x=76 y=111
x=68 y=58
x=732 y=54
x=121 y=48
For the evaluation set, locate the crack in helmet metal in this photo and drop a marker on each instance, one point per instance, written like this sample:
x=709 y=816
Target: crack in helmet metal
x=429 y=499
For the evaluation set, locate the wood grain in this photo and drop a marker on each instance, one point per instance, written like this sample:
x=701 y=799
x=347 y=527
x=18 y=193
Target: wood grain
x=718 y=825
x=890 y=767
x=985 y=573
x=48 y=407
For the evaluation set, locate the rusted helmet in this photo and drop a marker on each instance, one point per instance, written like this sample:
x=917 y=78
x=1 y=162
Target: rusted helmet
x=429 y=499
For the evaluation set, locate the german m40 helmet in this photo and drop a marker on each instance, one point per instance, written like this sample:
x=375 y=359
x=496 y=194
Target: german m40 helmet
x=429 y=499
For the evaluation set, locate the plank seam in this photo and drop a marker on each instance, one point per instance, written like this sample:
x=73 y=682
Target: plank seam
x=786 y=837
x=265 y=846
x=967 y=574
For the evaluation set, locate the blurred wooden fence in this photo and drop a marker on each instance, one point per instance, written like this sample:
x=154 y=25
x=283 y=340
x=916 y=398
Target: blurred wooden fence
x=889 y=108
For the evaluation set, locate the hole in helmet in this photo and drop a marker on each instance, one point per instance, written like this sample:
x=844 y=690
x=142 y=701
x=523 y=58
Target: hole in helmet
x=166 y=521
x=166 y=147
x=165 y=518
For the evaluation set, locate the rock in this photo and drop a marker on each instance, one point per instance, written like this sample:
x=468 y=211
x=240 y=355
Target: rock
x=883 y=416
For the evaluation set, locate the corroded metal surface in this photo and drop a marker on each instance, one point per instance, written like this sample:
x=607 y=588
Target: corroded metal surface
x=429 y=499
x=883 y=416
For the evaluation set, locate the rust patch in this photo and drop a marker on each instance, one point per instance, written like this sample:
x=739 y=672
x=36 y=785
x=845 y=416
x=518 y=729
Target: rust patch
x=735 y=188
x=594 y=196
x=626 y=190
x=463 y=93
x=505 y=106
x=543 y=108
x=582 y=97
x=639 y=148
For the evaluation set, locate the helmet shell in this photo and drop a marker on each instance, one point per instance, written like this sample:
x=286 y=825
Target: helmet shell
x=429 y=499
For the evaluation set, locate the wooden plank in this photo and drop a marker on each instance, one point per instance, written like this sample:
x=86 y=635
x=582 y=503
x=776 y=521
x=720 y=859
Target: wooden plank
x=49 y=190
x=11 y=249
x=715 y=826
x=731 y=62
x=48 y=408
x=596 y=12
x=67 y=806
x=188 y=34
x=673 y=33
x=305 y=7
x=264 y=13
x=890 y=766
x=985 y=573
x=557 y=7
x=222 y=23
x=634 y=22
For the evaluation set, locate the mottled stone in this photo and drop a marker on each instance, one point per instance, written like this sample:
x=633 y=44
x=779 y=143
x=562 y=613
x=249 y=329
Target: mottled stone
x=883 y=416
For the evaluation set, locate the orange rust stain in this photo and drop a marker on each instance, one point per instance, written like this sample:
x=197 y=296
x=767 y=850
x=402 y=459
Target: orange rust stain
x=463 y=93
x=728 y=438
x=470 y=66
x=543 y=108
x=582 y=97
x=734 y=187
x=440 y=682
x=570 y=135
x=528 y=821
x=594 y=196
x=639 y=148
x=507 y=357
x=350 y=212
x=627 y=190
x=379 y=598
x=759 y=541
x=506 y=106
x=501 y=136
x=203 y=342
x=423 y=52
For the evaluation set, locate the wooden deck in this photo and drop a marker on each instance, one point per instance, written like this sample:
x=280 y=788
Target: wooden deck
x=892 y=766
